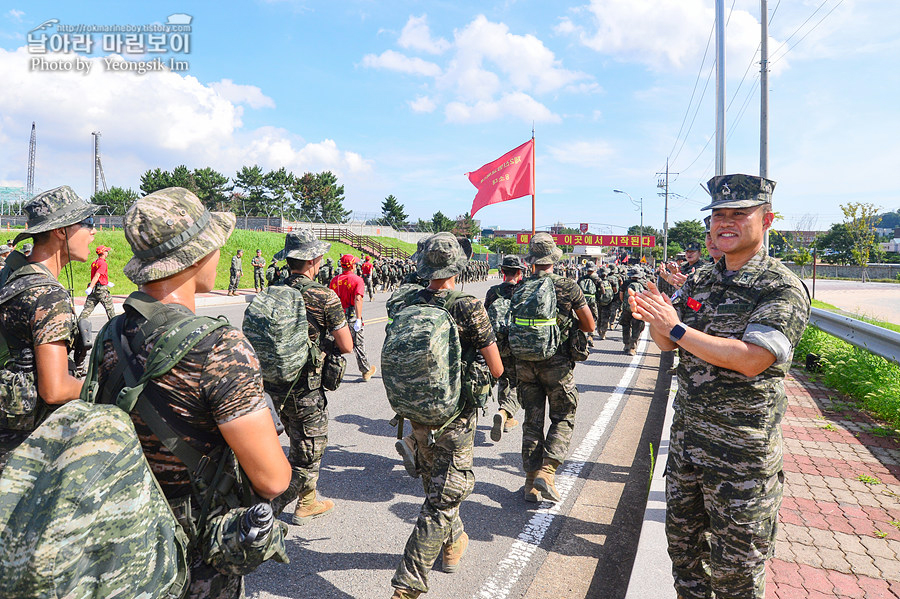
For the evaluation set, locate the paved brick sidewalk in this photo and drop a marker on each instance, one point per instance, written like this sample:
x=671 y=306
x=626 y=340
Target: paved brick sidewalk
x=839 y=536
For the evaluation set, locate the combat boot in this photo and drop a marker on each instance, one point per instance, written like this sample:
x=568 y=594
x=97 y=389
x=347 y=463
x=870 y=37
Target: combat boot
x=531 y=494
x=368 y=374
x=406 y=447
x=308 y=507
x=631 y=350
x=544 y=480
x=510 y=424
x=405 y=594
x=452 y=553
x=499 y=427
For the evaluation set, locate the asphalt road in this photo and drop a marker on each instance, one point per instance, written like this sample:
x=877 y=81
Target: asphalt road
x=516 y=549
x=877 y=300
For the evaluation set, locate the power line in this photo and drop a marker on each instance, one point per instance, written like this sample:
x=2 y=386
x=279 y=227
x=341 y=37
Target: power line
x=808 y=32
x=694 y=91
x=796 y=31
x=774 y=11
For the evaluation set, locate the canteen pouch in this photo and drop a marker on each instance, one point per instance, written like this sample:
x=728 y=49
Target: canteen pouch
x=223 y=549
x=19 y=400
x=333 y=371
x=314 y=366
x=578 y=344
x=476 y=380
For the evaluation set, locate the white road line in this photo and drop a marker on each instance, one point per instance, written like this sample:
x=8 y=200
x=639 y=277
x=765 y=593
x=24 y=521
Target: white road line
x=510 y=568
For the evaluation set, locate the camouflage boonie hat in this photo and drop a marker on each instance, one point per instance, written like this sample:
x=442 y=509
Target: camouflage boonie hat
x=169 y=231
x=419 y=245
x=542 y=250
x=693 y=246
x=590 y=266
x=512 y=261
x=441 y=257
x=303 y=245
x=27 y=247
x=54 y=209
x=738 y=191
x=5 y=249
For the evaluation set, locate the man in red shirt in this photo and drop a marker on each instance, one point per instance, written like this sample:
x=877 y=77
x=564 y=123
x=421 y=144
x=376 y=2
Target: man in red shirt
x=350 y=288
x=366 y=268
x=98 y=288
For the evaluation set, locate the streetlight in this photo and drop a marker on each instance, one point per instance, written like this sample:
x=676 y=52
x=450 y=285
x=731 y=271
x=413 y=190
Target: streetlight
x=639 y=205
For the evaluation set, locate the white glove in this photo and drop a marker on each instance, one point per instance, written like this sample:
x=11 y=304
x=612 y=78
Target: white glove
x=110 y=284
x=89 y=291
x=357 y=325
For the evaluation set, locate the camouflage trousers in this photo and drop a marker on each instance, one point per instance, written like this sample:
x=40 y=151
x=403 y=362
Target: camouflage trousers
x=541 y=384
x=259 y=278
x=305 y=419
x=100 y=294
x=507 y=398
x=721 y=530
x=9 y=440
x=631 y=329
x=370 y=287
x=606 y=318
x=447 y=477
x=592 y=304
x=359 y=347
x=234 y=281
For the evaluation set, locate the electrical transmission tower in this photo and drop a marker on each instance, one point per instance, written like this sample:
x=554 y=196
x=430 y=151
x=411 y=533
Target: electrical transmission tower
x=99 y=177
x=29 y=185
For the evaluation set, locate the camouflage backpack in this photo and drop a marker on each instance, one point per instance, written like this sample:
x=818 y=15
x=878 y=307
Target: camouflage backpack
x=638 y=288
x=588 y=287
x=421 y=361
x=498 y=313
x=605 y=293
x=534 y=334
x=276 y=326
x=82 y=516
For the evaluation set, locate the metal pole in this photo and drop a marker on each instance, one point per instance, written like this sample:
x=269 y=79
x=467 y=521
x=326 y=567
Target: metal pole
x=764 y=98
x=666 y=218
x=642 y=229
x=720 y=87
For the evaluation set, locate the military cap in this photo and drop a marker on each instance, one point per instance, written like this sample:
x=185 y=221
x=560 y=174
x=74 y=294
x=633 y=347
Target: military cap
x=303 y=245
x=634 y=273
x=419 y=245
x=27 y=247
x=102 y=248
x=542 y=250
x=441 y=257
x=706 y=222
x=54 y=209
x=169 y=231
x=512 y=261
x=590 y=266
x=693 y=246
x=738 y=191
x=5 y=249
x=348 y=260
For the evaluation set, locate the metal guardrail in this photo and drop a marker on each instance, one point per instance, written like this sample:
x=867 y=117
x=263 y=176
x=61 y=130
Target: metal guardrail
x=878 y=340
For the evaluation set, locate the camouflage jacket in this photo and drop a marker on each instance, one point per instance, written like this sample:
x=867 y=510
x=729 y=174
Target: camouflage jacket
x=236 y=265
x=723 y=419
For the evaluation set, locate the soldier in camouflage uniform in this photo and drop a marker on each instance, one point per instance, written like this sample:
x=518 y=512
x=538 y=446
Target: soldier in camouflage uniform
x=445 y=461
x=549 y=385
x=735 y=327
x=304 y=410
x=259 y=267
x=631 y=327
x=4 y=252
x=326 y=272
x=273 y=273
x=214 y=394
x=235 y=272
x=604 y=311
x=512 y=268
x=36 y=314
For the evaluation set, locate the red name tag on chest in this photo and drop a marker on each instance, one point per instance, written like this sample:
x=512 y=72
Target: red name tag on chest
x=693 y=304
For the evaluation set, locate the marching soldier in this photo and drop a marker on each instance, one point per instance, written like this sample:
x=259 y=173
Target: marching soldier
x=235 y=272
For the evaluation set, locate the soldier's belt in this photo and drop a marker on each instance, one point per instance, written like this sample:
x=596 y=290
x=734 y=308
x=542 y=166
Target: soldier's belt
x=535 y=322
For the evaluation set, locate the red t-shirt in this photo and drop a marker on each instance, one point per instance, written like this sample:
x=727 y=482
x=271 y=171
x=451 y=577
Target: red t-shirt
x=99 y=265
x=366 y=268
x=347 y=286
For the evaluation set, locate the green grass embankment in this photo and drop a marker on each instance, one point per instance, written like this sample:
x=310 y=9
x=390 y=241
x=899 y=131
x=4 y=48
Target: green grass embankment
x=869 y=379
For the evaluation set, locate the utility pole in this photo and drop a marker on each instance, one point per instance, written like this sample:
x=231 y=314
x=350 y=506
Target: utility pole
x=29 y=185
x=764 y=97
x=664 y=185
x=720 y=87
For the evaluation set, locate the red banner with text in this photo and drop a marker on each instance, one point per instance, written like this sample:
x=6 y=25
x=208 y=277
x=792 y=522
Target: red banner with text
x=635 y=241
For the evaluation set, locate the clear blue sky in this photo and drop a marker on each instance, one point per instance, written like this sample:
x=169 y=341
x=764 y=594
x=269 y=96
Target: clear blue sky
x=405 y=97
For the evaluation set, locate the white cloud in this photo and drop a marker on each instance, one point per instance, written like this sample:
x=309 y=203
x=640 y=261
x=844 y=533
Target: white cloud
x=395 y=61
x=490 y=72
x=15 y=15
x=242 y=94
x=662 y=34
x=416 y=35
x=516 y=104
x=583 y=153
x=160 y=119
x=422 y=104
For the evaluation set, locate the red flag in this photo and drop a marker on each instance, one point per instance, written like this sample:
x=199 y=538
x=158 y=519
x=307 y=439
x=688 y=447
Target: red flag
x=507 y=178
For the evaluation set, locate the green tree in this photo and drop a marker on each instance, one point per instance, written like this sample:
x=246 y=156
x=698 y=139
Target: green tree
x=251 y=180
x=182 y=176
x=504 y=245
x=439 y=222
x=331 y=198
x=392 y=213
x=212 y=188
x=424 y=226
x=687 y=231
x=648 y=231
x=154 y=180
x=117 y=200
x=836 y=246
x=278 y=185
x=465 y=226
x=860 y=220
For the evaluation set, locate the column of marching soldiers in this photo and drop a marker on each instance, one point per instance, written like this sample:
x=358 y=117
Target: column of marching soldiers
x=162 y=467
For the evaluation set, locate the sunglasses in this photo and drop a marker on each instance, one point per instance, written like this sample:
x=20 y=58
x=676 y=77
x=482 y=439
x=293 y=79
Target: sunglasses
x=88 y=222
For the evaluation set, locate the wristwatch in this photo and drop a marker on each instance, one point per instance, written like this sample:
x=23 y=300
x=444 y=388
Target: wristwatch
x=677 y=332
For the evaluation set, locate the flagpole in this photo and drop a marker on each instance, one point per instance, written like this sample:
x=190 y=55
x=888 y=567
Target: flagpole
x=533 y=167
